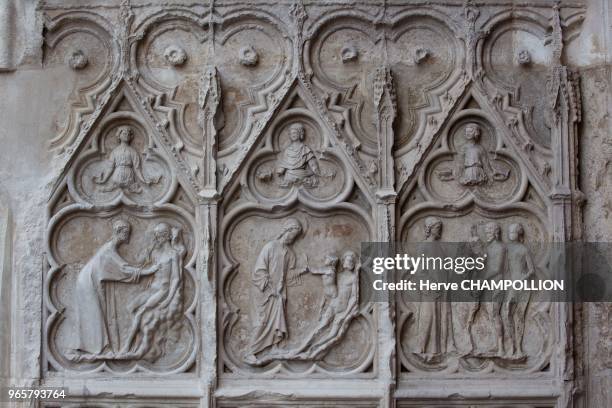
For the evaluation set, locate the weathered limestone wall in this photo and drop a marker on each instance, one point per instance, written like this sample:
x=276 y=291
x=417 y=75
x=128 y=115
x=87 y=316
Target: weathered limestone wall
x=313 y=125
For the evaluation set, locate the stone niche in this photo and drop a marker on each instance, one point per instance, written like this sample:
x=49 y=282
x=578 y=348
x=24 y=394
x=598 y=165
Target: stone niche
x=217 y=165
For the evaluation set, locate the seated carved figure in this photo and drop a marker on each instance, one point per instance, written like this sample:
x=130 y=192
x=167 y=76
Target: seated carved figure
x=161 y=304
x=297 y=164
x=474 y=167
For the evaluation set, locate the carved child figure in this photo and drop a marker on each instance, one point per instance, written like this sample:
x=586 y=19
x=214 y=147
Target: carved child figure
x=125 y=170
x=297 y=163
x=328 y=275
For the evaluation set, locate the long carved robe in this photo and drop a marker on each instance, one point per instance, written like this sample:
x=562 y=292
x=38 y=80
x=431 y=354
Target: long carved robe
x=434 y=319
x=126 y=167
x=269 y=274
x=91 y=321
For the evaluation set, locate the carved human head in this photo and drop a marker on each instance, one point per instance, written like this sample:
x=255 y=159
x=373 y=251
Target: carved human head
x=492 y=231
x=121 y=230
x=472 y=132
x=515 y=232
x=175 y=233
x=433 y=227
x=331 y=260
x=292 y=228
x=161 y=233
x=125 y=134
x=297 y=132
x=349 y=259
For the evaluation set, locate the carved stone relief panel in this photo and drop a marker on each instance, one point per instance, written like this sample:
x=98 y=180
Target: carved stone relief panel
x=297 y=157
x=472 y=162
x=473 y=189
x=121 y=290
x=516 y=59
x=291 y=293
x=289 y=278
x=123 y=162
x=474 y=337
x=124 y=300
x=222 y=162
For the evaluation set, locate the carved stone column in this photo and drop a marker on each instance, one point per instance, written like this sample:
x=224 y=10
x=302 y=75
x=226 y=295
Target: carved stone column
x=564 y=105
x=386 y=112
x=210 y=117
x=206 y=219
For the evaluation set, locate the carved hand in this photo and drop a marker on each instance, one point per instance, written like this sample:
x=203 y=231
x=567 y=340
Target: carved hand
x=129 y=269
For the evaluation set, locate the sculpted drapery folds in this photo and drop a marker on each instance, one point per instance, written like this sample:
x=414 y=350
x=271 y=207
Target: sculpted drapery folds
x=124 y=166
x=435 y=335
x=92 y=320
x=297 y=163
x=161 y=303
x=274 y=269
